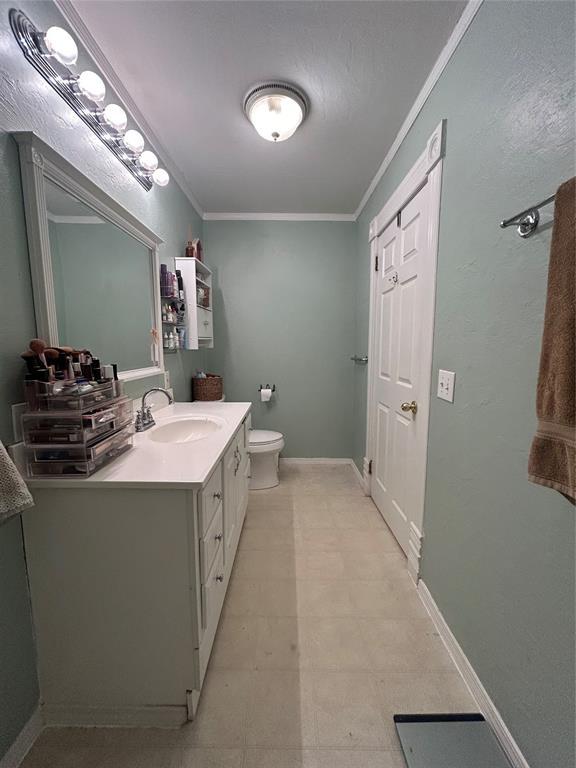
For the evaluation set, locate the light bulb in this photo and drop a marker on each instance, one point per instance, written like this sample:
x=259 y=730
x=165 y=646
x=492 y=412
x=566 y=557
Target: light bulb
x=275 y=117
x=115 y=117
x=160 y=177
x=92 y=86
x=61 y=45
x=133 y=141
x=148 y=161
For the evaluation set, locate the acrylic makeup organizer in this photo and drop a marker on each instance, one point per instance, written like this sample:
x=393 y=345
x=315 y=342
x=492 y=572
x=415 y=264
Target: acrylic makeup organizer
x=74 y=435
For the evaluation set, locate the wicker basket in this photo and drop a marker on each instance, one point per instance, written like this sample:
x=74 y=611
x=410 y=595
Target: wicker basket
x=209 y=388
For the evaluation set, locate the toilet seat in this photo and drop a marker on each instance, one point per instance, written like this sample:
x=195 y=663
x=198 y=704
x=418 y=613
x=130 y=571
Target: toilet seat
x=265 y=441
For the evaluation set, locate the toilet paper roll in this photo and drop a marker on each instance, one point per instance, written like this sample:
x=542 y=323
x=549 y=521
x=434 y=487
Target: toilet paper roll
x=265 y=394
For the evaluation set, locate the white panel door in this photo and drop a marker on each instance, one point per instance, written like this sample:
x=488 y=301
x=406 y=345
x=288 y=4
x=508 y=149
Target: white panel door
x=399 y=443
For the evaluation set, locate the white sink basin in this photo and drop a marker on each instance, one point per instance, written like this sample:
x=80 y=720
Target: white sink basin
x=186 y=430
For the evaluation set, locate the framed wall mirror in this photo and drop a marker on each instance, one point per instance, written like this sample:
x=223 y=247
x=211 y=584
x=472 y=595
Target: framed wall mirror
x=94 y=266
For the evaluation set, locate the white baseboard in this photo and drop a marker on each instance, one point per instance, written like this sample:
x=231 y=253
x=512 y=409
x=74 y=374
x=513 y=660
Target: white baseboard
x=414 y=552
x=130 y=717
x=343 y=462
x=24 y=741
x=358 y=476
x=315 y=460
x=479 y=693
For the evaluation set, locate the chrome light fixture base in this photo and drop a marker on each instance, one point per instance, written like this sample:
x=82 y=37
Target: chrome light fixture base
x=62 y=80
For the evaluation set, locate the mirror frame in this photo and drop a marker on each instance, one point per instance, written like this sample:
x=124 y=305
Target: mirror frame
x=38 y=162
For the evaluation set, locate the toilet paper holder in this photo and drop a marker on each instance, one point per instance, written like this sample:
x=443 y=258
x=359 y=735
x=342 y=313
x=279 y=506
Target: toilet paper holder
x=261 y=387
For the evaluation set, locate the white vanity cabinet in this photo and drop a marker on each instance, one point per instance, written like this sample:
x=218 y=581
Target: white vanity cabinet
x=127 y=586
x=236 y=472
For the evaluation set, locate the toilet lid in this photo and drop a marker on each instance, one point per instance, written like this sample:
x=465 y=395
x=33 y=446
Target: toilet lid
x=263 y=436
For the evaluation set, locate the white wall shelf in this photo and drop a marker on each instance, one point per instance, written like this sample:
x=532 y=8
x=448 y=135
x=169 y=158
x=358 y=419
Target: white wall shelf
x=198 y=321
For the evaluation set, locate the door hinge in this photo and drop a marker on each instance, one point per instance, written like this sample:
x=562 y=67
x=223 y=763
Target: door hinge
x=370 y=467
x=399 y=219
x=376 y=264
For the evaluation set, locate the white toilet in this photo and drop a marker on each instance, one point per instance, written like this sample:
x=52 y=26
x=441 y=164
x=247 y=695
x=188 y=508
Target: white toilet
x=264 y=447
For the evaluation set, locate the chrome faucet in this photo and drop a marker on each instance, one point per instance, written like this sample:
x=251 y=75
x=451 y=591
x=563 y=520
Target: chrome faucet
x=144 y=418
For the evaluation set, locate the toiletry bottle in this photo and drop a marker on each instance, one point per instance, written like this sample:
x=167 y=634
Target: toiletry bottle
x=96 y=370
x=163 y=279
x=166 y=340
x=189 y=249
x=174 y=284
x=180 y=284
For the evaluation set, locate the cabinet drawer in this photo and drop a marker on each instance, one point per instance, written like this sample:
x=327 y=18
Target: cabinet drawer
x=210 y=498
x=210 y=543
x=204 y=324
x=213 y=592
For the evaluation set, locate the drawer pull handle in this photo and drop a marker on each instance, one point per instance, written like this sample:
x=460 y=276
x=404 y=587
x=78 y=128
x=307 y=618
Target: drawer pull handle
x=217 y=495
x=218 y=537
x=220 y=577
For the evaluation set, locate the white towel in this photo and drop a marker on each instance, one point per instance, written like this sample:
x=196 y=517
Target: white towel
x=14 y=495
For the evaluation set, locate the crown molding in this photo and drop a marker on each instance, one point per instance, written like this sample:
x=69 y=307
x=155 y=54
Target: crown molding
x=71 y=15
x=279 y=217
x=446 y=54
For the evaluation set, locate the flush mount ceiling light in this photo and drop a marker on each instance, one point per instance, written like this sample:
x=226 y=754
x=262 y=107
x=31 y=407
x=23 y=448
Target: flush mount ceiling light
x=276 y=109
x=53 y=54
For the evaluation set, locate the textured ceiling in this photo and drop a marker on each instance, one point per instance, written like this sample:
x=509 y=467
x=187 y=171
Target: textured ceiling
x=188 y=65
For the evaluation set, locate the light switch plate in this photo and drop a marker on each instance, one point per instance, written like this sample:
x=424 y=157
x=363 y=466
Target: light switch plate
x=446 y=385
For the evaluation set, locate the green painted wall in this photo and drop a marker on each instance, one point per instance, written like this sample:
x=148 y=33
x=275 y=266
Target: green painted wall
x=18 y=683
x=29 y=104
x=285 y=316
x=498 y=551
x=103 y=292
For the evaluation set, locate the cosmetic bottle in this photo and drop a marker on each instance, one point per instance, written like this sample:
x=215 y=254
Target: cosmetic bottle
x=166 y=340
x=174 y=284
x=180 y=284
x=189 y=249
x=163 y=278
x=96 y=369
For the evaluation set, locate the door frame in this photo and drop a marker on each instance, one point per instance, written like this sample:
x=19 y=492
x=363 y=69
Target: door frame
x=426 y=170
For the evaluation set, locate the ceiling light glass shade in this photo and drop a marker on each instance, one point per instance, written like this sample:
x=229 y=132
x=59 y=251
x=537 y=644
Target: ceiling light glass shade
x=160 y=177
x=115 y=117
x=148 y=161
x=133 y=141
x=275 y=110
x=92 y=86
x=61 y=45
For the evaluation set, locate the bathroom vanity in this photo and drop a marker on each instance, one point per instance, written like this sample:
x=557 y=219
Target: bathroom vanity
x=129 y=569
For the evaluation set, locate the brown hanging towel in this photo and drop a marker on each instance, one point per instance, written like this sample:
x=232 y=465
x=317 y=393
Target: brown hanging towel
x=552 y=459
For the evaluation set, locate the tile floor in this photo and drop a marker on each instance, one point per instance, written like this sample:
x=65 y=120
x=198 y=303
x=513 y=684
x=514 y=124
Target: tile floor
x=322 y=639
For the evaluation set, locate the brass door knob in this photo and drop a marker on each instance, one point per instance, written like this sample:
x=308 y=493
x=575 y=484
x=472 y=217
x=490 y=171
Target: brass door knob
x=413 y=406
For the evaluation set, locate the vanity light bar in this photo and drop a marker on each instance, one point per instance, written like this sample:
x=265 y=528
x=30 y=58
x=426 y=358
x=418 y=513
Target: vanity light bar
x=52 y=54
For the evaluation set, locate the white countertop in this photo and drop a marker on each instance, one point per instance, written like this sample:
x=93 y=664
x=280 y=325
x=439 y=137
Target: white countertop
x=151 y=464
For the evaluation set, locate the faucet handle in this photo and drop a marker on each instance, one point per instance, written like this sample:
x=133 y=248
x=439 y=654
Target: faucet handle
x=148 y=413
x=138 y=423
